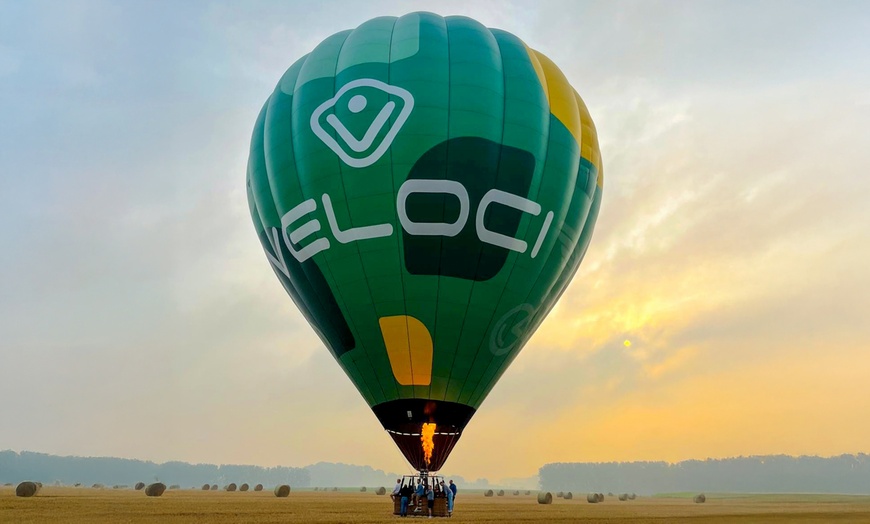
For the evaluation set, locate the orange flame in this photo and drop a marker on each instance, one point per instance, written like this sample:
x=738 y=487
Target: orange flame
x=427 y=436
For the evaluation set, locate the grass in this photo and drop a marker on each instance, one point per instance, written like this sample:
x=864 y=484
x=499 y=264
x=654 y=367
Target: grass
x=797 y=498
x=80 y=505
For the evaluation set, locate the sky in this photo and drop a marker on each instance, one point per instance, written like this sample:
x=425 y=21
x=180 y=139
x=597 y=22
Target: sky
x=139 y=317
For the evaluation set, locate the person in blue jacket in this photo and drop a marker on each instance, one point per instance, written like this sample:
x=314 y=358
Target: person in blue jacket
x=430 y=500
x=448 y=492
x=418 y=496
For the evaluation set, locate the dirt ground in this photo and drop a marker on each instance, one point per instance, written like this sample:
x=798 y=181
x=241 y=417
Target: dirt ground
x=78 y=505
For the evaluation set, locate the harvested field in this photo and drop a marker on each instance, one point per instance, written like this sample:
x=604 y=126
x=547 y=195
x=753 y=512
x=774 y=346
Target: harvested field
x=55 y=504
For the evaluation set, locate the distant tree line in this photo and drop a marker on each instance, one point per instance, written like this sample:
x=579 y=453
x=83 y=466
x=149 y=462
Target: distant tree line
x=337 y=474
x=49 y=469
x=755 y=474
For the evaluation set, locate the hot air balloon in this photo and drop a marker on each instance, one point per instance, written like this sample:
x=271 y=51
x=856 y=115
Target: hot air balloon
x=424 y=189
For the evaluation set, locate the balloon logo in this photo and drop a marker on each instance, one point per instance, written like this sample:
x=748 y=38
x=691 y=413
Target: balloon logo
x=356 y=104
x=425 y=189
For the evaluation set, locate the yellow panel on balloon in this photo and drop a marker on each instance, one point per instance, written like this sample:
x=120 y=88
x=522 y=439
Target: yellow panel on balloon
x=559 y=93
x=409 y=347
x=567 y=106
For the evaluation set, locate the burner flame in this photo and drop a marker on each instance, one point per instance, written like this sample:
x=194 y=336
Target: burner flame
x=427 y=436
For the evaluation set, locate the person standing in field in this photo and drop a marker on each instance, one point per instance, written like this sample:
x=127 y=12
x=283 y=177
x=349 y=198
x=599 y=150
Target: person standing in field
x=396 y=489
x=405 y=493
x=453 y=488
x=449 y=494
x=430 y=500
x=418 y=496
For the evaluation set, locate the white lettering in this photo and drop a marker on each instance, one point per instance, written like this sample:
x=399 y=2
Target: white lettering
x=496 y=196
x=448 y=187
x=354 y=233
x=303 y=231
x=277 y=259
x=293 y=237
x=546 y=227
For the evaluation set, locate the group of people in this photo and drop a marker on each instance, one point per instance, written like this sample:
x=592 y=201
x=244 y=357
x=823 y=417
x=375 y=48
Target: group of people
x=411 y=495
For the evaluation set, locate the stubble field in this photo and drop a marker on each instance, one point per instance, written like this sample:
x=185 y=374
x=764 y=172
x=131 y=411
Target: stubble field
x=78 y=505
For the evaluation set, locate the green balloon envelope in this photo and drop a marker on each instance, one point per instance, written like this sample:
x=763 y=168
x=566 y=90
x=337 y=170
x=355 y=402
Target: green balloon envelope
x=425 y=189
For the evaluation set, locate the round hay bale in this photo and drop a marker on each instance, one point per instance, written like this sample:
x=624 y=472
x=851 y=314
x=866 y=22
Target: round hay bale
x=97 y=486
x=381 y=491
x=545 y=497
x=244 y=487
x=516 y=493
x=568 y=496
x=592 y=498
x=600 y=497
x=8 y=484
x=609 y=493
x=623 y=497
x=632 y=496
x=155 y=490
x=362 y=489
x=26 y=489
x=258 y=487
x=560 y=494
x=500 y=493
x=487 y=493
x=282 y=491
x=78 y=484
x=316 y=489
x=232 y=487
x=528 y=492
x=334 y=489
x=139 y=486
x=700 y=499
x=214 y=487
x=206 y=487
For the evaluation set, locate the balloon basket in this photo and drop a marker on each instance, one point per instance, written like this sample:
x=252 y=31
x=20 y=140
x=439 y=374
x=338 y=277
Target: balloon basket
x=420 y=508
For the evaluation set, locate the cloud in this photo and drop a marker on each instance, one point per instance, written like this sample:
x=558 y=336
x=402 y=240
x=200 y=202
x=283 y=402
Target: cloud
x=699 y=214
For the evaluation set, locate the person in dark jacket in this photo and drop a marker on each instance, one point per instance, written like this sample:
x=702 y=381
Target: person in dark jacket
x=405 y=493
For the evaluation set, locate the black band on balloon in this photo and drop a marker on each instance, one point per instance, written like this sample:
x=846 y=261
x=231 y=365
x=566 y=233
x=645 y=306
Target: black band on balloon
x=410 y=413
